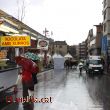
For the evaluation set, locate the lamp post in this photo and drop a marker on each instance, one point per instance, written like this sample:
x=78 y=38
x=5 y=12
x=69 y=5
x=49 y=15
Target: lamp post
x=45 y=51
x=45 y=32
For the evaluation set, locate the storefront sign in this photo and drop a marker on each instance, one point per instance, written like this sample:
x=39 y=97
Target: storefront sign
x=42 y=44
x=15 y=41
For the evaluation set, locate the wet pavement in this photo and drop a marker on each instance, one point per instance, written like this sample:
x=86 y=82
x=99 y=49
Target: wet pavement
x=68 y=90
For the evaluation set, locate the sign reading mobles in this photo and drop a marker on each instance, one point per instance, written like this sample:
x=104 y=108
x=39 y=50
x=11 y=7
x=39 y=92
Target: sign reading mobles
x=42 y=44
x=15 y=41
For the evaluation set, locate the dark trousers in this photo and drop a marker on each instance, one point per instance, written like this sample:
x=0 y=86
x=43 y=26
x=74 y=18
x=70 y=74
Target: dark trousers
x=34 y=77
x=27 y=86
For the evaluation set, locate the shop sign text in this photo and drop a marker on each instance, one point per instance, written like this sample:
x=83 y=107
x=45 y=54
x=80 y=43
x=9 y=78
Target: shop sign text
x=16 y=41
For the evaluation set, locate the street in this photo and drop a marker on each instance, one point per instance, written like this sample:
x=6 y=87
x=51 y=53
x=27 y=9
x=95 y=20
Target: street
x=68 y=90
x=55 y=55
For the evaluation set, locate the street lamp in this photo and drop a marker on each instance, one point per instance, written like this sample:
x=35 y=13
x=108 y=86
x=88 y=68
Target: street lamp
x=45 y=51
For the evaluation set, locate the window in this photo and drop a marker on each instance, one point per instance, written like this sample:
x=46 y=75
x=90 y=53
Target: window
x=104 y=3
x=60 y=46
x=104 y=27
x=108 y=42
x=95 y=62
x=104 y=14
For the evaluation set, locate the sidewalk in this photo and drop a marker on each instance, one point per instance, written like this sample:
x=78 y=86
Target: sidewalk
x=7 y=81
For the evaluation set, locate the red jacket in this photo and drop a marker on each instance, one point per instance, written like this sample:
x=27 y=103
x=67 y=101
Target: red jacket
x=26 y=65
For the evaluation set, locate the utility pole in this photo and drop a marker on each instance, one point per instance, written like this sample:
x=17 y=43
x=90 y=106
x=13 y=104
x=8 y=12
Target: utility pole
x=45 y=32
x=45 y=51
x=21 y=14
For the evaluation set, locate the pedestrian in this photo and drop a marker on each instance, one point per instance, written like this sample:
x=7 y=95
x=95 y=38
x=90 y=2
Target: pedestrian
x=35 y=71
x=35 y=59
x=80 y=67
x=26 y=76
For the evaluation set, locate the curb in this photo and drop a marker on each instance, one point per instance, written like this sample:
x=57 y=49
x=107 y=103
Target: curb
x=9 y=69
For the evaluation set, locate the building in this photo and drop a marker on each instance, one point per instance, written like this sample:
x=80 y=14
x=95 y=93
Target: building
x=82 y=50
x=73 y=51
x=88 y=41
x=77 y=52
x=106 y=27
x=98 y=38
x=93 y=41
x=60 y=47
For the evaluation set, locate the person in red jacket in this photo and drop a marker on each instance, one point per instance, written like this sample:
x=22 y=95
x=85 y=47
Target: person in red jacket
x=26 y=73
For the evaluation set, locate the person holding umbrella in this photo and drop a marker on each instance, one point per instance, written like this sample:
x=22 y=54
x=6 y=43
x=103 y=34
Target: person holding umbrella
x=27 y=68
x=35 y=59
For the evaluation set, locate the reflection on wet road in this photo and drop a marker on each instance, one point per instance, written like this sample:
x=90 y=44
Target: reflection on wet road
x=70 y=91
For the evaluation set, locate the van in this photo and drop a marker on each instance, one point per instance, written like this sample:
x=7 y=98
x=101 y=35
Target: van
x=94 y=64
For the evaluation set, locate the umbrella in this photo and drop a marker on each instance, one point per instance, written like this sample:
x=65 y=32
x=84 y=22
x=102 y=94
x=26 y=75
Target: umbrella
x=41 y=55
x=32 y=56
x=24 y=62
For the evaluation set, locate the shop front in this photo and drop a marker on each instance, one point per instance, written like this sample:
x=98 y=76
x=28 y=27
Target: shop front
x=9 y=45
x=7 y=55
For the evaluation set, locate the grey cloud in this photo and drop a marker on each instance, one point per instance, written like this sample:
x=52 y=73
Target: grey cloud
x=10 y=6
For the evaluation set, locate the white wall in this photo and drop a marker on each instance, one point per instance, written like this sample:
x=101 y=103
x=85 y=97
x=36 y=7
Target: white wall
x=93 y=42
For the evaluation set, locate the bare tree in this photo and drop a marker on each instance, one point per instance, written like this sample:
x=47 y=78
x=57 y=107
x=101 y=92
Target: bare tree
x=21 y=14
x=21 y=9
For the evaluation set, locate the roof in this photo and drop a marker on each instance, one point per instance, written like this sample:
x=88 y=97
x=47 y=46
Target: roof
x=19 y=23
x=60 y=43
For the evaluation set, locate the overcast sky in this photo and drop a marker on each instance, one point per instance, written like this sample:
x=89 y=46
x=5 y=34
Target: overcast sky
x=69 y=20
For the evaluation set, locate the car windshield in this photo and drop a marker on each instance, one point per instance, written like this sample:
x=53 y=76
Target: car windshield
x=95 y=62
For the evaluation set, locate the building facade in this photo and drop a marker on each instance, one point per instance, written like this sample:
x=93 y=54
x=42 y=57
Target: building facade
x=82 y=50
x=60 y=47
x=99 y=35
x=94 y=40
x=88 y=42
x=106 y=25
x=73 y=51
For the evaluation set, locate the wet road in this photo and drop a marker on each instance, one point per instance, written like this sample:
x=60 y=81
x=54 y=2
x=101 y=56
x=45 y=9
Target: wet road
x=67 y=90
